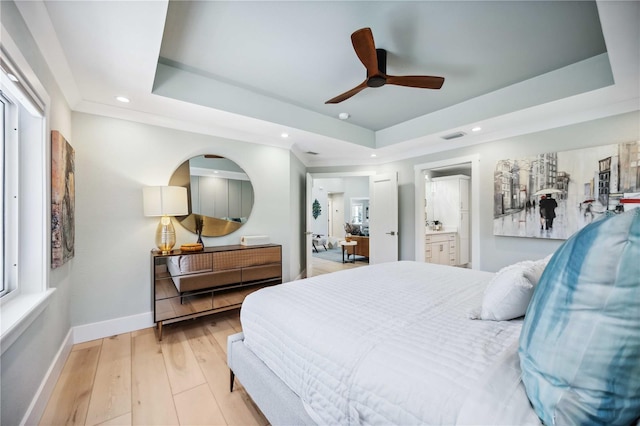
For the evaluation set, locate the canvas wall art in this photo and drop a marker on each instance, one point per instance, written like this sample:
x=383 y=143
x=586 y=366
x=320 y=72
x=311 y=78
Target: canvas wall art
x=62 y=200
x=552 y=195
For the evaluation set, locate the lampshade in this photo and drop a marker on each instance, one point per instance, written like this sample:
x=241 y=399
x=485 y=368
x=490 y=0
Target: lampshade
x=165 y=200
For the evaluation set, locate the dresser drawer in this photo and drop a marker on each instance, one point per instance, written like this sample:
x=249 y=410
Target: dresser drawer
x=256 y=273
x=438 y=238
x=261 y=256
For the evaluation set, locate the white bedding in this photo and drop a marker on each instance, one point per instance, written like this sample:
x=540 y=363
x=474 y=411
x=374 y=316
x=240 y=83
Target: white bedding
x=384 y=344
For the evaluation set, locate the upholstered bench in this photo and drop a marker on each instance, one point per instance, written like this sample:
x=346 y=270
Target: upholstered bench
x=317 y=240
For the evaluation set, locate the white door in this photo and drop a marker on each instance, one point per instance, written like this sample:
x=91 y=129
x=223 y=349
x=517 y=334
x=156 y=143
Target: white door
x=383 y=218
x=308 y=225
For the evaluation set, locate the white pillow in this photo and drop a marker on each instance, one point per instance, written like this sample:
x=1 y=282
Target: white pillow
x=508 y=294
x=534 y=271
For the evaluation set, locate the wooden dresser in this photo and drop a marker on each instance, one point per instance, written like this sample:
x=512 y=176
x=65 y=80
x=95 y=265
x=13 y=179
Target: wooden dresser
x=362 y=249
x=191 y=284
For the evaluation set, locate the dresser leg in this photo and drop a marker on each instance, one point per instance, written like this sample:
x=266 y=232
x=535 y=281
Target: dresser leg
x=159 y=327
x=232 y=376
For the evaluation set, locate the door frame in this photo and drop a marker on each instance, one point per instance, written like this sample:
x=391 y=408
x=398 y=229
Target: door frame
x=309 y=186
x=420 y=225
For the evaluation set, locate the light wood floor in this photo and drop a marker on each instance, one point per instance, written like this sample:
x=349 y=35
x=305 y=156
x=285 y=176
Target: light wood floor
x=134 y=379
x=322 y=266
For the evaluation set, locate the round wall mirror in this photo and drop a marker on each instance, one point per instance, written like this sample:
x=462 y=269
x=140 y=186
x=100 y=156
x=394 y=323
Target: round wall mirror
x=220 y=195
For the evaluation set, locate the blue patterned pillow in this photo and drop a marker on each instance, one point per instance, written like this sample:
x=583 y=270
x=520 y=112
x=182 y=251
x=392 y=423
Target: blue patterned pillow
x=580 y=342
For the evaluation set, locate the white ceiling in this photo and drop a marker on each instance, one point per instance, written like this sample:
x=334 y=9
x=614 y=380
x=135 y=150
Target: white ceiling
x=253 y=70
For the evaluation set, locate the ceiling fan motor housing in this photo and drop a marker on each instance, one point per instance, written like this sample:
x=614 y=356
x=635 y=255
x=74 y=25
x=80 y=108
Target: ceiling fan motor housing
x=378 y=80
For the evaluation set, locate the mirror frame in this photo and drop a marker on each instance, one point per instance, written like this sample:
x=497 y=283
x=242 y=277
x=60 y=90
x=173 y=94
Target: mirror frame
x=210 y=226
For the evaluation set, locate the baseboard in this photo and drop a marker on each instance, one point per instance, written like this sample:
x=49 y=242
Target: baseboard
x=102 y=329
x=39 y=402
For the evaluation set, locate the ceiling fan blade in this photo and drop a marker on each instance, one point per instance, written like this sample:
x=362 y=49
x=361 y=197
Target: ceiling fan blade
x=365 y=48
x=421 y=81
x=348 y=94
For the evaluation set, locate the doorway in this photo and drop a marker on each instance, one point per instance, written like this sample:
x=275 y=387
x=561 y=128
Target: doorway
x=334 y=195
x=468 y=166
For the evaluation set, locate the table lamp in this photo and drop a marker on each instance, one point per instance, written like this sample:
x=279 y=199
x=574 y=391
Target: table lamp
x=165 y=201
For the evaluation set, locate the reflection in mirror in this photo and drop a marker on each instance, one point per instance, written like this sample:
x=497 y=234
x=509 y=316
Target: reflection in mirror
x=220 y=195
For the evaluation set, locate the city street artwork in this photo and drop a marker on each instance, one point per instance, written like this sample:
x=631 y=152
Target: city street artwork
x=552 y=195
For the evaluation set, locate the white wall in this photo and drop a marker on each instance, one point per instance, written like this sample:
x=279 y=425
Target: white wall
x=114 y=160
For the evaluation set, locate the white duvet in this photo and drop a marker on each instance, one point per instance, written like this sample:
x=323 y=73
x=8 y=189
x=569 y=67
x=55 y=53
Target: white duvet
x=390 y=344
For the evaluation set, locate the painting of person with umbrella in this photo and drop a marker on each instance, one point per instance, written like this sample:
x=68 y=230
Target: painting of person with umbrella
x=547 y=211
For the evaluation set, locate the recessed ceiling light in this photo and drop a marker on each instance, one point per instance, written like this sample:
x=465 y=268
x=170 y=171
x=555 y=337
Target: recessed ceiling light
x=122 y=99
x=12 y=77
x=343 y=115
x=285 y=135
x=476 y=129
x=373 y=155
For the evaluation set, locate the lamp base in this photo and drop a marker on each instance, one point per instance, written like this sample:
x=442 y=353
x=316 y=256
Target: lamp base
x=165 y=235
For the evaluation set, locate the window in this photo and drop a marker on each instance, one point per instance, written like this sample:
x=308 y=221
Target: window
x=357 y=213
x=3 y=287
x=8 y=171
x=24 y=230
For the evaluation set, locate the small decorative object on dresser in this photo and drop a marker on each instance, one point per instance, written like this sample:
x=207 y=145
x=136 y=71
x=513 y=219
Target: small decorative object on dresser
x=254 y=240
x=189 y=284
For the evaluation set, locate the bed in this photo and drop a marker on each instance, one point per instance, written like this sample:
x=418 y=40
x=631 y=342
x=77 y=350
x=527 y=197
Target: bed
x=416 y=343
x=365 y=341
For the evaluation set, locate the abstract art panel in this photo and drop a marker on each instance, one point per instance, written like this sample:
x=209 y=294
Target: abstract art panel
x=553 y=195
x=62 y=200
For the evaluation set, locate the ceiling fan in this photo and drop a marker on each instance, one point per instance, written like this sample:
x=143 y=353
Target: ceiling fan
x=375 y=61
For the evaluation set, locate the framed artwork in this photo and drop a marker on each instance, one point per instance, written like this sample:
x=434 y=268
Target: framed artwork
x=62 y=200
x=316 y=209
x=553 y=195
